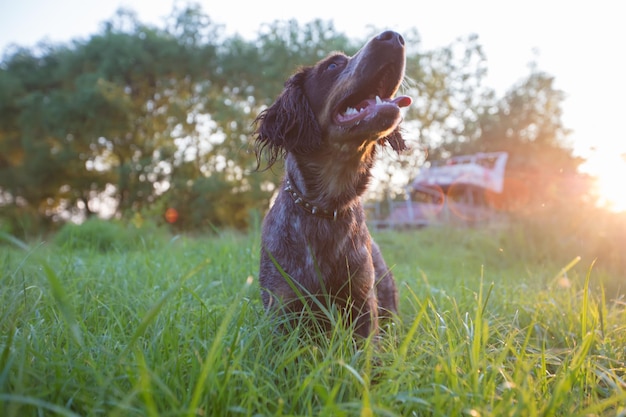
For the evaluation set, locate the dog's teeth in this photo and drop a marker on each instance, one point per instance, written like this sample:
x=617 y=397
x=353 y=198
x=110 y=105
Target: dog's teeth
x=351 y=110
x=378 y=100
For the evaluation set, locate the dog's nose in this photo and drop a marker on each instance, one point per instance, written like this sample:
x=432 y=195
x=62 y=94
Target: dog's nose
x=393 y=38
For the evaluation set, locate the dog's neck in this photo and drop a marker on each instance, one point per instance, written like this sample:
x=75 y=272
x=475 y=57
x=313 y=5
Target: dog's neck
x=329 y=185
x=309 y=207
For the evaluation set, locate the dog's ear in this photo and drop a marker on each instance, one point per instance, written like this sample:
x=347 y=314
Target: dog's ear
x=396 y=141
x=288 y=125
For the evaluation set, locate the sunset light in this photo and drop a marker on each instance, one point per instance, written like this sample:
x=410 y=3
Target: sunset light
x=610 y=171
x=329 y=208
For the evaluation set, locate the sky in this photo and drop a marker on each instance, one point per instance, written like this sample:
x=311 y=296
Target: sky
x=580 y=43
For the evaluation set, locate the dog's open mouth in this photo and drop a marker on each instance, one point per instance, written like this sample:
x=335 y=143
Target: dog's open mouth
x=369 y=107
x=367 y=101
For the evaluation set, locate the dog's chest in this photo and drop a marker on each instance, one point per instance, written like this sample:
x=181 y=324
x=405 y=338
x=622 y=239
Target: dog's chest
x=336 y=248
x=309 y=247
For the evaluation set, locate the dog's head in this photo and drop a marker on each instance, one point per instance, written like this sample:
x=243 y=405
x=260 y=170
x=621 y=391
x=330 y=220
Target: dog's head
x=342 y=102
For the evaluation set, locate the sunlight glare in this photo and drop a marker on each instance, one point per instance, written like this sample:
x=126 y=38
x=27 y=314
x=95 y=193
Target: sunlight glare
x=610 y=173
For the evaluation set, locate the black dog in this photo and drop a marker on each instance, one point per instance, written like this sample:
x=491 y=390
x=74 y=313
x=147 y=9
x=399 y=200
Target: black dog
x=327 y=123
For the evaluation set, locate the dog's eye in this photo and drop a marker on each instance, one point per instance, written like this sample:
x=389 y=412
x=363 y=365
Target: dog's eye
x=334 y=63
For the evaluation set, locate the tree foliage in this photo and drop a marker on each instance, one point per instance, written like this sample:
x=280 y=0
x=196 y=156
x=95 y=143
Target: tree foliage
x=138 y=118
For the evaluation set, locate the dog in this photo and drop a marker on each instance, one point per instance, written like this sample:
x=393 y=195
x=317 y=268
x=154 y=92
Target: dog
x=327 y=124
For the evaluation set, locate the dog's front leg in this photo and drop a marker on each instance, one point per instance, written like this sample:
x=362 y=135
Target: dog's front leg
x=367 y=316
x=386 y=290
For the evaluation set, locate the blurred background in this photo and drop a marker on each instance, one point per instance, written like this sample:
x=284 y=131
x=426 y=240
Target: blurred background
x=142 y=111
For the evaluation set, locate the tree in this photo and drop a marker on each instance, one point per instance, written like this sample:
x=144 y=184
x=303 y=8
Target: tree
x=101 y=114
x=542 y=172
x=137 y=118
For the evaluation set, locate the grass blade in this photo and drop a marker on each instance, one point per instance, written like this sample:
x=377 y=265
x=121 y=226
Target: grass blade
x=585 y=308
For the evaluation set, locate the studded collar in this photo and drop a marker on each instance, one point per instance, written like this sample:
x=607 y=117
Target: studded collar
x=307 y=206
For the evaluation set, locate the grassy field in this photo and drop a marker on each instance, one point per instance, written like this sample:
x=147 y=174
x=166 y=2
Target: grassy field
x=160 y=326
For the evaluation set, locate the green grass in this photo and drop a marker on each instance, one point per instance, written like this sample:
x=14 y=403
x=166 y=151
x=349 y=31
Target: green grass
x=487 y=327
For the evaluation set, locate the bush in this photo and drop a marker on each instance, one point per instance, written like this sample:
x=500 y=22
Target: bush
x=104 y=235
x=22 y=222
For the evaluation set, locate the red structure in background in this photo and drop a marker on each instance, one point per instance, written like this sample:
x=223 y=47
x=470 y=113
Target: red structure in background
x=171 y=215
x=460 y=188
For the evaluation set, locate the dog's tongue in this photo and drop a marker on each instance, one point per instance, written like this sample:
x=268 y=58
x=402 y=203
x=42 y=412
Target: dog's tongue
x=402 y=101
